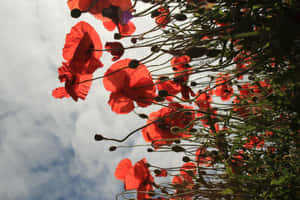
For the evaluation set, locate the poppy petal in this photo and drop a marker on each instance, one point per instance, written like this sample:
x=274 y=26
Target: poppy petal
x=60 y=93
x=120 y=104
x=123 y=168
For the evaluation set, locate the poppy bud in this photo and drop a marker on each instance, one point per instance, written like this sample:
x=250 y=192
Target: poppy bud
x=155 y=13
x=159 y=98
x=146 y=1
x=112 y=148
x=174 y=68
x=163 y=93
x=143 y=116
x=180 y=17
x=133 y=64
x=187 y=66
x=193 y=83
x=193 y=130
x=186 y=159
x=150 y=150
x=98 y=137
x=155 y=48
x=151 y=193
x=177 y=148
x=162 y=78
x=133 y=40
x=177 y=141
x=75 y=13
x=117 y=36
x=157 y=172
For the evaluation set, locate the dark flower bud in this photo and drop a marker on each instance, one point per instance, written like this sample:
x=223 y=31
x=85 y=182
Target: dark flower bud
x=195 y=52
x=162 y=78
x=112 y=148
x=177 y=148
x=155 y=13
x=150 y=150
x=187 y=66
x=166 y=31
x=146 y=1
x=213 y=53
x=133 y=64
x=143 y=116
x=133 y=40
x=157 y=172
x=186 y=159
x=174 y=68
x=177 y=141
x=98 y=137
x=159 y=98
x=75 y=13
x=151 y=193
x=117 y=36
x=155 y=48
x=193 y=130
x=193 y=83
x=180 y=17
x=163 y=93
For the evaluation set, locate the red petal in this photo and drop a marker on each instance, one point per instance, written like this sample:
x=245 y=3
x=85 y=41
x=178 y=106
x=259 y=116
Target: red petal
x=120 y=104
x=123 y=168
x=60 y=93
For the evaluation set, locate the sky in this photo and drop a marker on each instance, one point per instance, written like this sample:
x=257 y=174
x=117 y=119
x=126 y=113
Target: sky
x=47 y=147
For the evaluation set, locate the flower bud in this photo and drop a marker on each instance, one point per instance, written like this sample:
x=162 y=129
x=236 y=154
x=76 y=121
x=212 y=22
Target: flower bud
x=163 y=93
x=193 y=83
x=143 y=116
x=112 y=148
x=98 y=137
x=133 y=64
x=75 y=13
x=117 y=36
x=180 y=17
x=186 y=159
x=177 y=148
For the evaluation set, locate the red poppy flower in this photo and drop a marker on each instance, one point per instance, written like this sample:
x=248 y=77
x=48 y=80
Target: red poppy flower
x=182 y=71
x=137 y=177
x=254 y=142
x=79 y=44
x=128 y=85
x=188 y=171
x=162 y=173
x=238 y=158
x=72 y=88
x=223 y=89
x=163 y=18
x=81 y=61
x=170 y=86
x=201 y=158
x=203 y=101
x=164 y=121
x=125 y=29
x=96 y=7
x=116 y=49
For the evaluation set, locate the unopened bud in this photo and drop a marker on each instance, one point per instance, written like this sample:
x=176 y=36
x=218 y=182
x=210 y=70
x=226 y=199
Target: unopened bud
x=112 y=148
x=75 y=13
x=98 y=137
x=177 y=148
x=133 y=64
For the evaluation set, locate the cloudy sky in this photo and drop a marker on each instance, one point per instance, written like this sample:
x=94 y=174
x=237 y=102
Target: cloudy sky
x=47 y=150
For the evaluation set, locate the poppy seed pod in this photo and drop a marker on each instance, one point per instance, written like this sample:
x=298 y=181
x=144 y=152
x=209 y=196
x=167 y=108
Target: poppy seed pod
x=133 y=40
x=180 y=17
x=133 y=64
x=175 y=129
x=143 y=116
x=163 y=93
x=112 y=148
x=117 y=36
x=98 y=137
x=186 y=159
x=177 y=148
x=75 y=13
x=155 y=49
x=193 y=83
x=155 y=13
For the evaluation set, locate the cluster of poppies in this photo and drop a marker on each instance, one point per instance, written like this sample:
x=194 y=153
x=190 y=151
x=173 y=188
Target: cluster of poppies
x=185 y=107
